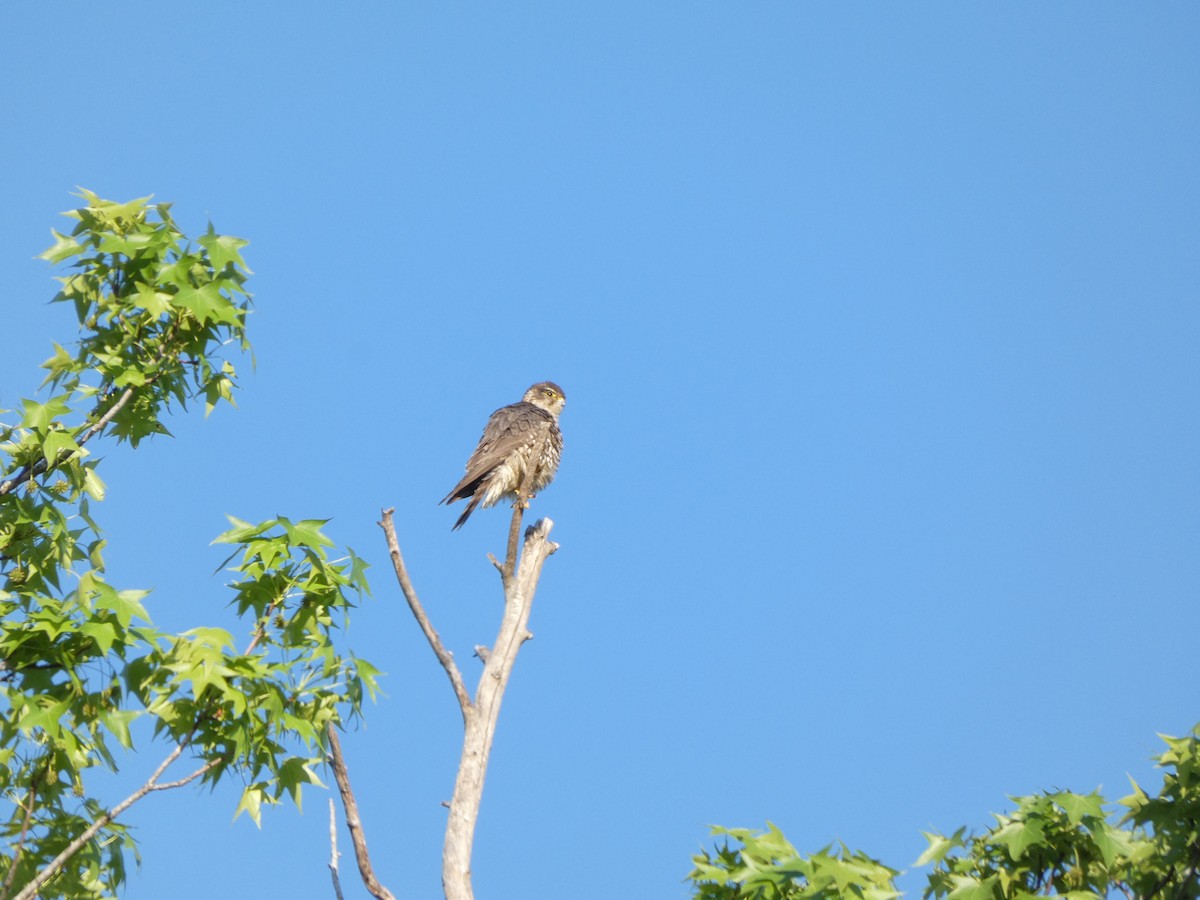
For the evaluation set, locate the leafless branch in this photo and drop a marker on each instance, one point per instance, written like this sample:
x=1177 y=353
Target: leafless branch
x=333 y=851
x=481 y=716
x=514 y=528
x=34 y=886
x=445 y=657
x=28 y=806
x=188 y=779
x=353 y=822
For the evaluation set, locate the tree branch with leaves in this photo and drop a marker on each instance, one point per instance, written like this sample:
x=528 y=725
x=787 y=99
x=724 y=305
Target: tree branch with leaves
x=80 y=660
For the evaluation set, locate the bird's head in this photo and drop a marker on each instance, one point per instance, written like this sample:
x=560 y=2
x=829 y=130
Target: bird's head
x=547 y=395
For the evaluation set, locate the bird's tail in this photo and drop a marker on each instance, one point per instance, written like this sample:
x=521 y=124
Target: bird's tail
x=466 y=513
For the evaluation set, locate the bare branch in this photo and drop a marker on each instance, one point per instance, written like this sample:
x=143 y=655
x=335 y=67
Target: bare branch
x=481 y=717
x=171 y=785
x=353 y=822
x=333 y=851
x=445 y=657
x=28 y=806
x=514 y=528
x=34 y=886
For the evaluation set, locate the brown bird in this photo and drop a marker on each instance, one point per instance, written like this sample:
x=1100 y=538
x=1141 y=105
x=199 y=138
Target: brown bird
x=517 y=439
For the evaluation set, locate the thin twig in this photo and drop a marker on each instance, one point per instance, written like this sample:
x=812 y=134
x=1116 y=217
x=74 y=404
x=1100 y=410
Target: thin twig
x=445 y=657
x=353 y=822
x=514 y=528
x=34 y=886
x=34 y=784
x=188 y=779
x=333 y=851
x=260 y=630
x=41 y=466
x=90 y=431
x=151 y=785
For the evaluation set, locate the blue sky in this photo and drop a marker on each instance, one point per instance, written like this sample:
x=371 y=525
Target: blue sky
x=878 y=325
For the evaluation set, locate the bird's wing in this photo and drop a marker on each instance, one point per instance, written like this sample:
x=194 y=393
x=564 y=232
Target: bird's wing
x=508 y=430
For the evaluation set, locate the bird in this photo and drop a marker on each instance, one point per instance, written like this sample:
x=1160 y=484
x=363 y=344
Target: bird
x=518 y=439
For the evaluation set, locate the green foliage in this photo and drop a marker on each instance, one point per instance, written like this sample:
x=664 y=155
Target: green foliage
x=1172 y=867
x=1054 y=843
x=767 y=867
x=80 y=660
x=1060 y=842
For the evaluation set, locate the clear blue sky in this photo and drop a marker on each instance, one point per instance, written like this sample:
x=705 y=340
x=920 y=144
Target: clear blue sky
x=879 y=327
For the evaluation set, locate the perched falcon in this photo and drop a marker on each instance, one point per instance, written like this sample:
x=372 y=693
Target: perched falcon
x=517 y=438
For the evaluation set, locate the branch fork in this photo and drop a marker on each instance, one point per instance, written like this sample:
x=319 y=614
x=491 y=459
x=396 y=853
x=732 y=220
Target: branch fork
x=520 y=580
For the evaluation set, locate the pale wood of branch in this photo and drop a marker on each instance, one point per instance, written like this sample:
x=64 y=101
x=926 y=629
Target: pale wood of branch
x=481 y=715
x=31 y=889
x=151 y=785
x=353 y=822
x=445 y=657
x=88 y=432
x=29 y=805
x=514 y=529
x=41 y=466
x=333 y=851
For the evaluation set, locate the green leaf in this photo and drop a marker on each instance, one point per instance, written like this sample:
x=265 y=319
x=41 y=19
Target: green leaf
x=117 y=721
x=251 y=804
x=93 y=484
x=124 y=604
x=293 y=775
x=57 y=444
x=60 y=361
x=1111 y=842
x=1077 y=806
x=223 y=249
x=242 y=531
x=104 y=633
x=207 y=304
x=1019 y=834
x=64 y=247
x=939 y=846
x=306 y=533
x=154 y=301
x=41 y=415
x=966 y=888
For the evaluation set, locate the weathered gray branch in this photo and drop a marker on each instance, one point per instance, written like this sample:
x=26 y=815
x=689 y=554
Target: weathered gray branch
x=481 y=715
x=353 y=822
x=333 y=851
x=31 y=889
x=445 y=657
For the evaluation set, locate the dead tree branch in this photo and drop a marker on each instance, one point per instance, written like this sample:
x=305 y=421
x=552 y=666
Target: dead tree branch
x=31 y=889
x=445 y=657
x=481 y=716
x=514 y=529
x=353 y=822
x=333 y=851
